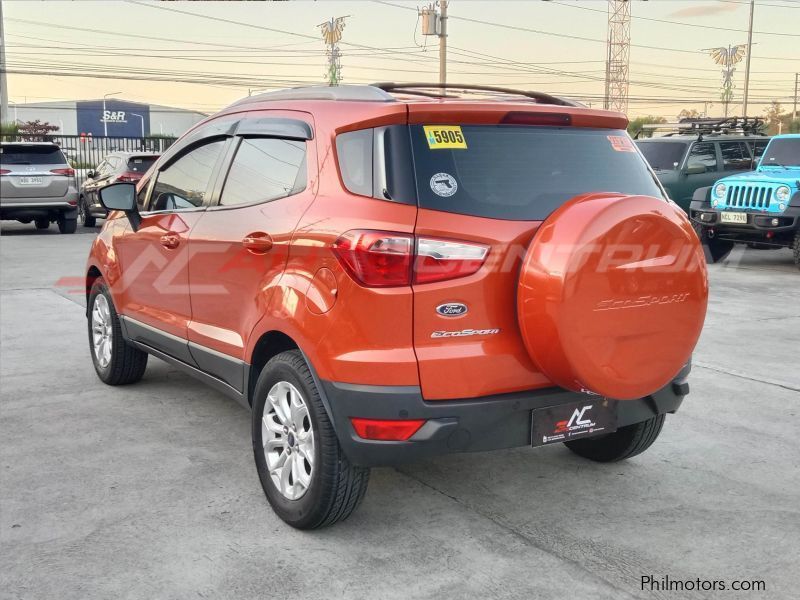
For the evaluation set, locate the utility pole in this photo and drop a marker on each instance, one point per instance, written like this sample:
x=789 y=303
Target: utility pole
x=3 y=66
x=443 y=42
x=794 y=112
x=332 y=34
x=749 y=52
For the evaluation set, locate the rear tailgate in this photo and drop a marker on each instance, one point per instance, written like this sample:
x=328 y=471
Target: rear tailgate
x=28 y=172
x=481 y=182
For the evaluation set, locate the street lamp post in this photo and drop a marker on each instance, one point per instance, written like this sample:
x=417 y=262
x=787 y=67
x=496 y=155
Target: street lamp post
x=141 y=118
x=105 y=121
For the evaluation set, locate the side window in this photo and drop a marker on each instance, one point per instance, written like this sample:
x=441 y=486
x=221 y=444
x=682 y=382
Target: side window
x=354 y=150
x=735 y=156
x=184 y=183
x=703 y=153
x=265 y=169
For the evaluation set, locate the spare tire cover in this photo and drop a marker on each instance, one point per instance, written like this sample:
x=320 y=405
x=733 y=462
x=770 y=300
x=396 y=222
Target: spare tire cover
x=612 y=295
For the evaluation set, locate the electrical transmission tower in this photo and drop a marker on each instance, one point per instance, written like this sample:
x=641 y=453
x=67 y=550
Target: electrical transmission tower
x=332 y=34
x=618 y=55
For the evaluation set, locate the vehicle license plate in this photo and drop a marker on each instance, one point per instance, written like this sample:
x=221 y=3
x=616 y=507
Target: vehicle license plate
x=736 y=217
x=30 y=181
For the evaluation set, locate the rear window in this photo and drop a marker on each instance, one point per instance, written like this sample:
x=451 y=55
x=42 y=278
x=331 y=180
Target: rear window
x=663 y=156
x=524 y=173
x=14 y=154
x=140 y=164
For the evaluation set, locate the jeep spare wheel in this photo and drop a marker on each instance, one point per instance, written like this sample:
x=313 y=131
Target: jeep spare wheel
x=612 y=295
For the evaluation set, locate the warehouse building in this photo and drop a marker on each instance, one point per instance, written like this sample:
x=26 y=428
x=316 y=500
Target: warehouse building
x=112 y=117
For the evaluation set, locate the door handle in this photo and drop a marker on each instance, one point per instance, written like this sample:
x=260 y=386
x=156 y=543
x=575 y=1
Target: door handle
x=170 y=240
x=258 y=242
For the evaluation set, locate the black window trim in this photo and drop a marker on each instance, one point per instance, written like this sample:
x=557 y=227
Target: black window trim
x=224 y=171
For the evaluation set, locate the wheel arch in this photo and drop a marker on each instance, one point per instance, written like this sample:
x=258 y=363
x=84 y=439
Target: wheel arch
x=269 y=344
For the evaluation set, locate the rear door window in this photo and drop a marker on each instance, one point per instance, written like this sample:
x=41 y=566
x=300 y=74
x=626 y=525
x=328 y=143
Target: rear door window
x=265 y=169
x=735 y=156
x=522 y=172
x=20 y=154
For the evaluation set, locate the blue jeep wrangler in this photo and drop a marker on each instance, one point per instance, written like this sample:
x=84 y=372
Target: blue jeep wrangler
x=760 y=208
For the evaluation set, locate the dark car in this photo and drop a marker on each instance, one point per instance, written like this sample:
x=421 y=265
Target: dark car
x=37 y=184
x=684 y=162
x=116 y=167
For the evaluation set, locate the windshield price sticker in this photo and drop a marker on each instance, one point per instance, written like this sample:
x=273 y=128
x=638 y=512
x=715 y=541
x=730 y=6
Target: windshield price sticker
x=444 y=136
x=621 y=143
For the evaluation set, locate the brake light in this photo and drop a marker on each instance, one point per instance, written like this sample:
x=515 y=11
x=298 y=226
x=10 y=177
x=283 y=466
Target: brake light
x=438 y=260
x=4 y=171
x=386 y=429
x=531 y=118
x=376 y=258
x=68 y=172
x=386 y=258
x=129 y=177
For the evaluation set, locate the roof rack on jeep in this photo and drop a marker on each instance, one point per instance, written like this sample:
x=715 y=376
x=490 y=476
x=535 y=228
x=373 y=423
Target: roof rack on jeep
x=705 y=126
x=423 y=89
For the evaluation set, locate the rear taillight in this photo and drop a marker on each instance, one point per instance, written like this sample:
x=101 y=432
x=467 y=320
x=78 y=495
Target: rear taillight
x=386 y=429
x=4 y=171
x=376 y=258
x=391 y=259
x=129 y=177
x=67 y=172
x=438 y=260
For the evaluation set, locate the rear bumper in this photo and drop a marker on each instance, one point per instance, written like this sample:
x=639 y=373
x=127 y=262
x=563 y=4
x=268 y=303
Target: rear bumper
x=473 y=425
x=20 y=208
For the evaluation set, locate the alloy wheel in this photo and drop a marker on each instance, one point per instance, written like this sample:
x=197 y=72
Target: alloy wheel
x=102 y=331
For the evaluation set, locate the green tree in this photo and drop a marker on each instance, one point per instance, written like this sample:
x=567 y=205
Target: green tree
x=635 y=126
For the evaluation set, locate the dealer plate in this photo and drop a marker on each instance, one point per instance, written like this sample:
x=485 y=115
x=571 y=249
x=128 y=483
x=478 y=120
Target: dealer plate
x=567 y=422
x=733 y=217
x=30 y=181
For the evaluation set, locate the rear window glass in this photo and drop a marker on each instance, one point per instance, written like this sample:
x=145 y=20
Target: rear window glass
x=523 y=172
x=140 y=164
x=784 y=152
x=13 y=154
x=663 y=156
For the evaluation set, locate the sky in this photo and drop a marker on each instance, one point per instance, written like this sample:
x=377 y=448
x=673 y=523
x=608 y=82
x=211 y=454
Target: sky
x=208 y=54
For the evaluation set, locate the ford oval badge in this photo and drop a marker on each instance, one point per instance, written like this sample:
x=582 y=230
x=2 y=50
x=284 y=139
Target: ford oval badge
x=452 y=309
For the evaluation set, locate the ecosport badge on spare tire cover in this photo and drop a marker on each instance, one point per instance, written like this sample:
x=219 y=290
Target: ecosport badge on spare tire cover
x=612 y=295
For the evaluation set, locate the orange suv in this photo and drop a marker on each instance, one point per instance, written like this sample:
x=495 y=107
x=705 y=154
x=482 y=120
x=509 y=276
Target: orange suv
x=391 y=272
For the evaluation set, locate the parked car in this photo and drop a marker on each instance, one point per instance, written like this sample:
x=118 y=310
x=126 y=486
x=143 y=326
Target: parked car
x=684 y=162
x=761 y=208
x=116 y=167
x=37 y=184
x=382 y=276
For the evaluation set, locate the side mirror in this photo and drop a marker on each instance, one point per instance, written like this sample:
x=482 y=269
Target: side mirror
x=121 y=196
x=696 y=169
x=91 y=174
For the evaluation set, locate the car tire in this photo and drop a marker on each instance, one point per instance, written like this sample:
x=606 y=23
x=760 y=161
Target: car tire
x=86 y=219
x=334 y=487
x=118 y=363
x=66 y=225
x=714 y=249
x=796 y=249
x=624 y=443
x=43 y=223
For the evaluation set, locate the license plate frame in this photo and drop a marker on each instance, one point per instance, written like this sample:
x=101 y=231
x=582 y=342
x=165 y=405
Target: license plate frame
x=587 y=418
x=31 y=180
x=733 y=218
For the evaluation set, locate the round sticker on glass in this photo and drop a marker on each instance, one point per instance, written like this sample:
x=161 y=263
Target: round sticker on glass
x=444 y=184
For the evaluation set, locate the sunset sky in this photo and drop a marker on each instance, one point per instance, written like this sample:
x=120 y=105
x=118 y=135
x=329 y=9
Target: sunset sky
x=226 y=48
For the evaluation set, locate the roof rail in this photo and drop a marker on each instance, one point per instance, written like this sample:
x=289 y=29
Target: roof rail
x=708 y=125
x=364 y=93
x=420 y=89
